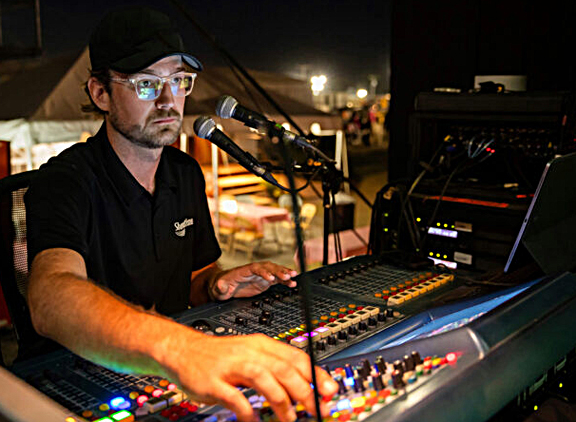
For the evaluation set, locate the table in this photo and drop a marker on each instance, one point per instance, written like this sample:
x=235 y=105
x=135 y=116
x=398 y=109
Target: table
x=256 y=214
x=350 y=243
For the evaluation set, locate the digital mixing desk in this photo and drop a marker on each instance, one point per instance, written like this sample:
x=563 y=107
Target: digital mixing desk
x=462 y=361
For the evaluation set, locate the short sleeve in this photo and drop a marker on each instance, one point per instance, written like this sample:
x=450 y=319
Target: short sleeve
x=57 y=210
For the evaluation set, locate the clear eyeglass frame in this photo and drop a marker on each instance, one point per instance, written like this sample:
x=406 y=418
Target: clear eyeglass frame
x=149 y=87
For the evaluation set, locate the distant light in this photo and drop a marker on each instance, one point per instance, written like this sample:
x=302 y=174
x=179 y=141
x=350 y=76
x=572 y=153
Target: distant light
x=286 y=125
x=229 y=206
x=361 y=93
x=316 y=129
x=318 y=83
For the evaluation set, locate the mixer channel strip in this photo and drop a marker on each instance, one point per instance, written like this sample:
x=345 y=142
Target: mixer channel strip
x=380 y=281
x=364 y=388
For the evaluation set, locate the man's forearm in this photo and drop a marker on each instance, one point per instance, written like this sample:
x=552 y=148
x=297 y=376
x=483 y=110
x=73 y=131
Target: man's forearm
x=101 y=327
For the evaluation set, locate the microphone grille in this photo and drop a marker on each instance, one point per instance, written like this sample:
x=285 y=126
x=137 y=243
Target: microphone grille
x=203 y=126
x=225 y=106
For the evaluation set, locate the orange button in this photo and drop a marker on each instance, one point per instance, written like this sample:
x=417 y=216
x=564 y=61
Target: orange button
x=333 y=313
x=149 y=389
x=324 y=318
x=163 y=383
x=377 y=294
x=87 y=414
x=393 y=289
x=386 y=292
x=352 y=306
x=342 y=309
x=401 y=285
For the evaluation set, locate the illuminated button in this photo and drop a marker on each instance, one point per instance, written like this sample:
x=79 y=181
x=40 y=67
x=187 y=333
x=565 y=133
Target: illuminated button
x=122 y=416
x=141 y=399
x=104 y=407
x=163 y=383
x=333 y=314
x=378 y=295
x=436 y=363
x=409 y=283
x=342 y=309
x=155 y=404
x=352 y=306
x=133 y=395
x=87 y=414
x=314 y=335
x=332 y=319
x=451 y=358
x=350 y=311
x=354 y=319
x=157 y=393
x=341 y=315
x=282 y=335
x=334 y=327
x=385 y=292
x=345 y=323
x=324 y=318
x=300 y=342
x=70 y=419
x=303 y=326
x=97 y=420
x=426 y=286
x=401 y=285
x=293 y=330
x=116 y=402
x=171 y=386
x=149 y=389
x=396 y=300
x=323 y=332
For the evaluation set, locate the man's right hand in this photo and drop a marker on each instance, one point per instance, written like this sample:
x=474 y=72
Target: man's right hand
x=210 y=368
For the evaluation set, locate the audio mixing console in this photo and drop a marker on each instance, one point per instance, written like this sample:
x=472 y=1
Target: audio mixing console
x=466 y=368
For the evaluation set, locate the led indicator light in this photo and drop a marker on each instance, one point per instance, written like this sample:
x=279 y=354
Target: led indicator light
x=116 y=402
x=118 y=416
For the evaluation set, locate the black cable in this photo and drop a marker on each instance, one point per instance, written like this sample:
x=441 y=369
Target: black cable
x=305 y=289
x=358 y=192
x=433 y=216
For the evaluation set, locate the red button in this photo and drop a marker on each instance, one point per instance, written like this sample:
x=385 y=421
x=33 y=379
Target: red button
x=344 y=418
x=322 y=324
x=350 y=311
x=341 y=315
x=331 y=319
x=360 y=308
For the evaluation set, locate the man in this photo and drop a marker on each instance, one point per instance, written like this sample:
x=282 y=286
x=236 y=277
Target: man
x=119 y=232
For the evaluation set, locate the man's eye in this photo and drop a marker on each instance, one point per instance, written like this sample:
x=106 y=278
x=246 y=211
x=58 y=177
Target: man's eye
x=176 y=80
x=146 y=83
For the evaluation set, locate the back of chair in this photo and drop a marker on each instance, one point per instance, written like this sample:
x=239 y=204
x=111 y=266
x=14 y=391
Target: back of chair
x=14 y=255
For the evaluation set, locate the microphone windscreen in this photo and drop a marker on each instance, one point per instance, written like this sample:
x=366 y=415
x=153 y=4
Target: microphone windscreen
x=225 y=106
x=203 y=126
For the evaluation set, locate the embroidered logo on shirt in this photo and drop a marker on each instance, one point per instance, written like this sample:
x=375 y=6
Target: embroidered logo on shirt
x=181 y=227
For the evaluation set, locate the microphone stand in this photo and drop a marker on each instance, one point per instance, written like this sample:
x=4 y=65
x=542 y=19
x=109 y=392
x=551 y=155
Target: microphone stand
x=332 y=179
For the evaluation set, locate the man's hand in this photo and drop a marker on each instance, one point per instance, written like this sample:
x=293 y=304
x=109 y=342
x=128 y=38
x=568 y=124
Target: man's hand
x=250 y=280
x=209 y=369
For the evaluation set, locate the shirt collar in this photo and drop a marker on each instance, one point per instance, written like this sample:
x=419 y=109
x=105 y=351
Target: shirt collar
x=126 y=184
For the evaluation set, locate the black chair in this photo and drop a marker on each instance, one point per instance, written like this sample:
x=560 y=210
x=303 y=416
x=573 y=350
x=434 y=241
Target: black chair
x=14 y=261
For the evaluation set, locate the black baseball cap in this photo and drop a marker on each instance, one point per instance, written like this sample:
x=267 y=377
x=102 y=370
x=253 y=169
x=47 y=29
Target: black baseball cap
x=130 y=39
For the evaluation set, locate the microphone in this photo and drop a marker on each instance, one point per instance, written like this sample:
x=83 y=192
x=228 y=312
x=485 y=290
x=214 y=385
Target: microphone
x=227 y=107
x=206 y=128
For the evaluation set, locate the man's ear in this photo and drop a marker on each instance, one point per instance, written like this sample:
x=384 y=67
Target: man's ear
x=98 y=93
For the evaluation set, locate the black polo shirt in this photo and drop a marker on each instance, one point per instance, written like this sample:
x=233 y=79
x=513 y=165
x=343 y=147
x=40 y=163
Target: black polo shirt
x=142 y=247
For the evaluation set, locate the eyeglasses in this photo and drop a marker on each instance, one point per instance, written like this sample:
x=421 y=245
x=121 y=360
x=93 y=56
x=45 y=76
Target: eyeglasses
x=149 y=87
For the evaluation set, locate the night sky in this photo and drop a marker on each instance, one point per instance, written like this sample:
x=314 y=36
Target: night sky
x=346 y=40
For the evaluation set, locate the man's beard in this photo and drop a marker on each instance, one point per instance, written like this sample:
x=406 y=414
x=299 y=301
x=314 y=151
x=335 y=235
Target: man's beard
x=149 y=136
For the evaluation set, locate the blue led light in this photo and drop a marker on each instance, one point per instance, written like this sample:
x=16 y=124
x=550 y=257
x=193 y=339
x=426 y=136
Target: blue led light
x=116 y=402
x=343 y=405
x=349 y=382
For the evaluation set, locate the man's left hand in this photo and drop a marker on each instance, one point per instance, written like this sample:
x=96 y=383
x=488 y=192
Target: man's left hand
x=250 y=280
